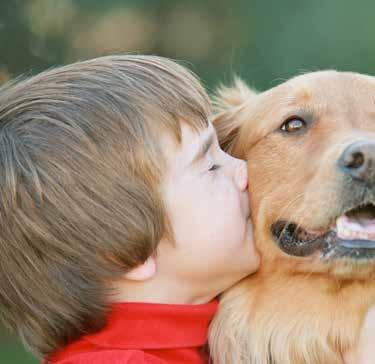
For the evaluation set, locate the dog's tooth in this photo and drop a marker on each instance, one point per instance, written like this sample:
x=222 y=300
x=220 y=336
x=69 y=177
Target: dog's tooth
x=367 y=224
x=343 y=232
x=347 y=232
x=350 y=228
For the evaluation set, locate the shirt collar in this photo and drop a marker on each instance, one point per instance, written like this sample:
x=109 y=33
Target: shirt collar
x=155 y=326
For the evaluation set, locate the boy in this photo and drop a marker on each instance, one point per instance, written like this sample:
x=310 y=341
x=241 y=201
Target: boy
x=121 y=218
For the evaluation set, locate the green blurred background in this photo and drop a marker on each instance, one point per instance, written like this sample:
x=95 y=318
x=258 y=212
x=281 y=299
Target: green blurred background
x=264 y=41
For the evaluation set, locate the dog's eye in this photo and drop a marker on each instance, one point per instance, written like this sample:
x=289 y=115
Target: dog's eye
x=293 y=124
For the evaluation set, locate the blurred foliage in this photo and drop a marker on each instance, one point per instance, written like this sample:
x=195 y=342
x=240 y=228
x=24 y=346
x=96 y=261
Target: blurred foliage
x=263 y=41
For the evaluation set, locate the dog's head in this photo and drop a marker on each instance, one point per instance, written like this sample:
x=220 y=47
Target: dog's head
x=310 y=147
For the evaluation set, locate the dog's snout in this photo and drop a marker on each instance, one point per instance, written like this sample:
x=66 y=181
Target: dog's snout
x=358 y=160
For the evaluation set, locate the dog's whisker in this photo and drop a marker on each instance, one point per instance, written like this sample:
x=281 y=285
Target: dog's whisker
x=289 y=205
x=283 y=211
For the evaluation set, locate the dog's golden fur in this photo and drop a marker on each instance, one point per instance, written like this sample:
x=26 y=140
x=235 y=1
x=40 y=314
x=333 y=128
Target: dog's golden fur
x=295 y=310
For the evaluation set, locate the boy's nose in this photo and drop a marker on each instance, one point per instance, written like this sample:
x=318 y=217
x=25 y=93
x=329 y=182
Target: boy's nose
x=241 y=176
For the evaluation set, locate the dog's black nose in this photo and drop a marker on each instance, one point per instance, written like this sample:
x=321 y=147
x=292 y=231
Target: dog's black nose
x=358 y=160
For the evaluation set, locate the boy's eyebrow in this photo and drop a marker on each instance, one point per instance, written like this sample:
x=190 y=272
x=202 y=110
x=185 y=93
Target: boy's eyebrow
x=203 y=148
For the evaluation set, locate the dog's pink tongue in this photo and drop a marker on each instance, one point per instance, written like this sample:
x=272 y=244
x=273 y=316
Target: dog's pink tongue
x=350 y=229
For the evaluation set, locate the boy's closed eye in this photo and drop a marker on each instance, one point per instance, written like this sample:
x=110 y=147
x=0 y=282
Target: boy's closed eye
x=214 y=167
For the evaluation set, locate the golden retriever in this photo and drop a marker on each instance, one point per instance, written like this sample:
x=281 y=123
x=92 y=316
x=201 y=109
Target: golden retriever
x=310 y=147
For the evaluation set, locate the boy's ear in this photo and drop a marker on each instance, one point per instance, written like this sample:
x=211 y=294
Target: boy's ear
x=143 y=272
x=228 y=104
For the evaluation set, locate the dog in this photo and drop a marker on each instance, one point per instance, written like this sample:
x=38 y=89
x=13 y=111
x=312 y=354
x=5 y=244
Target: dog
x=310 y=147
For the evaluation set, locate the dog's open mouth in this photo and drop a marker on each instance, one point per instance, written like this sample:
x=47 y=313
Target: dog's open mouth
x=351 y=236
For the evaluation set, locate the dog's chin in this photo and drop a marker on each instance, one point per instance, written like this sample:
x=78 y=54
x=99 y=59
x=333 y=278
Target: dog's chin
x=351 y=236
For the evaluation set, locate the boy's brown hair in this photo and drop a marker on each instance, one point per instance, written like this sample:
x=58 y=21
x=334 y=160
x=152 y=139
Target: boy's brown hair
x=80 y=170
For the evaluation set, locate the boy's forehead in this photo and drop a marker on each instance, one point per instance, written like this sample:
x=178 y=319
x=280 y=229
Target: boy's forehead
x=193 y=137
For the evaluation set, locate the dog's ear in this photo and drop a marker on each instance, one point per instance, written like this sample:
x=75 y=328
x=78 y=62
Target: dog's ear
x=227 y=105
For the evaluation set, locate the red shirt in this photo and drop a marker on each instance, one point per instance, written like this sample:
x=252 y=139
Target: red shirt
x=149 y=333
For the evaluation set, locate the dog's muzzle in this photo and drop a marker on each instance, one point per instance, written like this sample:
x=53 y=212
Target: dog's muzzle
x=352 y=235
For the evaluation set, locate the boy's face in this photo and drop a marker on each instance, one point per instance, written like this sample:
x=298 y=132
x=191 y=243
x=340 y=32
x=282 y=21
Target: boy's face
x=206 y=196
